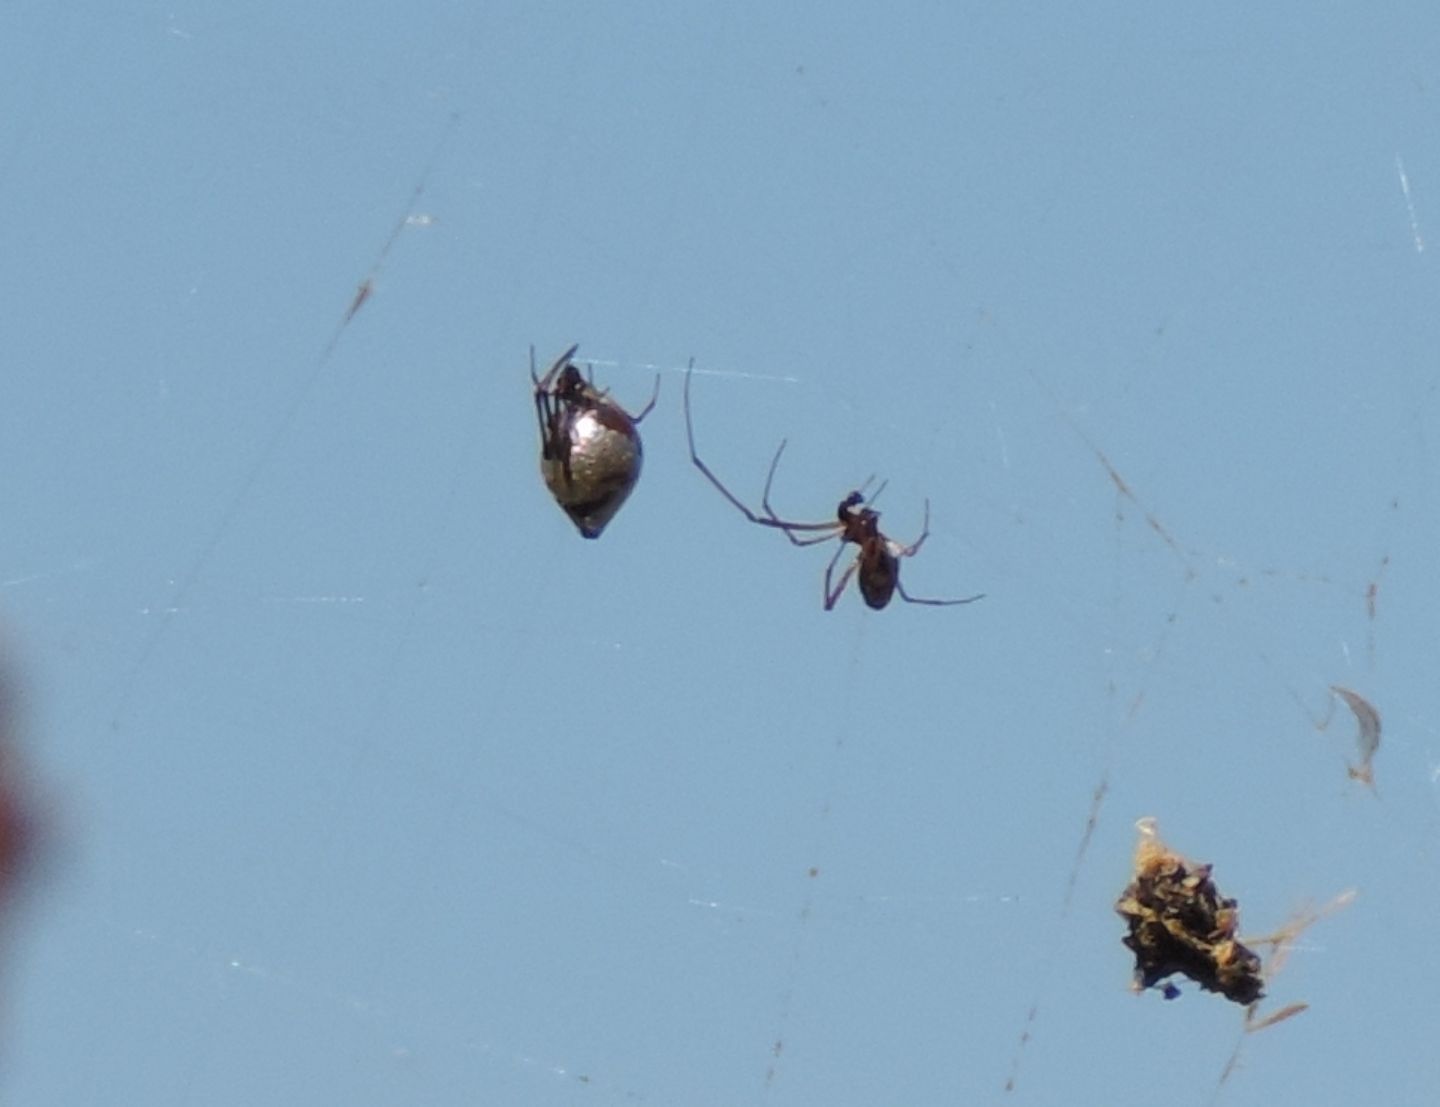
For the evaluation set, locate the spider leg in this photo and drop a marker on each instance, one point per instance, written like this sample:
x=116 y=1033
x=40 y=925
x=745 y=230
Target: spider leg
x=770 y=480
x=833 y=594
x=545 y=417
x=815 y=539
x=910 y=551
x=760 y=520
x=604 y=394
x=544 y=383
x=547 y=411
x=644 y=411
x=554 y=444
x=914 y=547
x=904 y=595
x=788 y=527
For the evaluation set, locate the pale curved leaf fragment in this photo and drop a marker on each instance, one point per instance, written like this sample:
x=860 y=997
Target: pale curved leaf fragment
x=1368 y=738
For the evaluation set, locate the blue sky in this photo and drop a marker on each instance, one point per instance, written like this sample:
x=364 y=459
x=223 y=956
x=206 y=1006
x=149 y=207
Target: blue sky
x=367 y=781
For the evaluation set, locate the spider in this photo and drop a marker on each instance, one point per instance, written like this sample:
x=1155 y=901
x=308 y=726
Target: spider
x=877 y=565
x=590 y=453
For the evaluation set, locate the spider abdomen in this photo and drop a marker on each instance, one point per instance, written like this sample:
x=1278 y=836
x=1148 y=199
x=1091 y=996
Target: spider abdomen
x=590 y=453
x=602 y=459
x=878 y=573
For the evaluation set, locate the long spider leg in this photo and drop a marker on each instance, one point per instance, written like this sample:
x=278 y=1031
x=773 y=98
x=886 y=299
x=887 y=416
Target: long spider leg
x=736 y=502
x=604 y=393
x=545 y=382
x=770 y=477
x=546 y=419
x=870 y=500
x=833 y=594
x=904 y=595
x=910 y=551
x=786 y=526
x=644 y=411
x=914 y=547
x=816 y=539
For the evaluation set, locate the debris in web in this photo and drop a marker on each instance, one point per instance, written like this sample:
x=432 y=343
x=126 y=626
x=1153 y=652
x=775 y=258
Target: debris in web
x=1372 y=590
x=1368 y=737
x=1180 y=923
x=1282 y=941
x=1279 y=944
x=182 y=587
x=362 y=293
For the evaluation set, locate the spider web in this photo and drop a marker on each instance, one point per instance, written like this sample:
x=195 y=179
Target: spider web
x=362 y=775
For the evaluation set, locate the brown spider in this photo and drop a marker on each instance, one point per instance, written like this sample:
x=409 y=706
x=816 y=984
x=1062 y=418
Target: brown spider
x=878 y=562
x=590 y=453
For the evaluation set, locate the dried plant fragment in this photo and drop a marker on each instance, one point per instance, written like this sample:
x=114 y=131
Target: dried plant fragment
x=1179 y=923
x=1252 y=1024
x=1368 y=737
